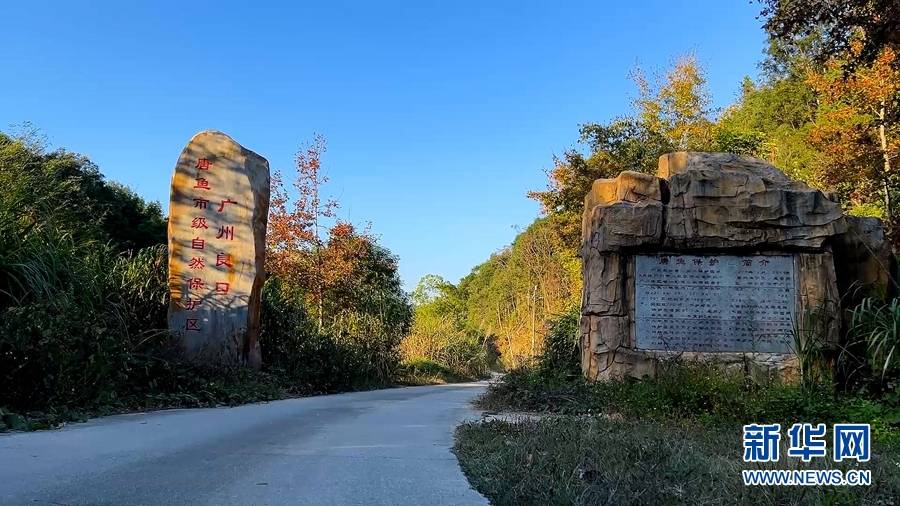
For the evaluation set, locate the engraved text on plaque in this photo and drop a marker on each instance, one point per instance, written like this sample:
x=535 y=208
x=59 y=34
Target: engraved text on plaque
x=714 y=303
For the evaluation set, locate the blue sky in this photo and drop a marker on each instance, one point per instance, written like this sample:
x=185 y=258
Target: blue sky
x=439 y=116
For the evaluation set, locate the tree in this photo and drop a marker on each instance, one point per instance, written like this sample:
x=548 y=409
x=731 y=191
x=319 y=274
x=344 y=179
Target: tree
x=348 y=282
x=440 y=332
x=519 y=289
x=777 y=118
x=66 y=191
x=835 y=23
x=294 y=239
x=677 y=108
x=857 y=126
x=845 y=52
x=669 y=114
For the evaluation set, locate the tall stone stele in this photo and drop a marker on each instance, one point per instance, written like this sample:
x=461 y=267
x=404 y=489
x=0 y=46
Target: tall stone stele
x=721 y=257
x=217 y=231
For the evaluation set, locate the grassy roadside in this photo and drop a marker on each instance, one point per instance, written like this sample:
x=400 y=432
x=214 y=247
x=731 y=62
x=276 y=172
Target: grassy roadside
x=184 y=386
x=428 y=372
x=674 y=440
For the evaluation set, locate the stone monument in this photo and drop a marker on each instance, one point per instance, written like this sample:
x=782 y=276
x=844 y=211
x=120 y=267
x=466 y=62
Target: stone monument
x=217 y=230
x=718 y=256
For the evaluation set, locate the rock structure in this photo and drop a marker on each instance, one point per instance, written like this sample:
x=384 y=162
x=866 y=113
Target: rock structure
x=683 y=265
x=217 y=231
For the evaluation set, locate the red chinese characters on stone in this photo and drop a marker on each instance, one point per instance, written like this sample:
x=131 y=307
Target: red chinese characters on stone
x=196 y=284
x=199 y=222
x=224 y=259
x=201 y=203
x=204 y=164
x=196 y=263
x=192 y=324
x=226 y=201
x=226 y=233
x=222 y=287
x=197 y=243
x=202 y=183
x=191 y=304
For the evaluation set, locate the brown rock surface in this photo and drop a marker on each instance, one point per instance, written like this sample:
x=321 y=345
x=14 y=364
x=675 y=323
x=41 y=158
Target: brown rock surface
x=819 y=302
x=637 y=187
x=625 y=224
x=217 y=228
x=680 y=161
x=602 y=339
x=628 y=186
x=603 y=283
x=725 y=201
x=864 y=260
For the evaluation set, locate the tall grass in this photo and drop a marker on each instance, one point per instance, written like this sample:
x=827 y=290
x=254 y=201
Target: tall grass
x=877 y=324
x=73 y=314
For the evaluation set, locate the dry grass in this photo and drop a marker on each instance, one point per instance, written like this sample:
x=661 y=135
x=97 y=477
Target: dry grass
x=595 y=460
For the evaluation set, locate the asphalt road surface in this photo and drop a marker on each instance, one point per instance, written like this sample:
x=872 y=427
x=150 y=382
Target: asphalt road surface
x=379 y=447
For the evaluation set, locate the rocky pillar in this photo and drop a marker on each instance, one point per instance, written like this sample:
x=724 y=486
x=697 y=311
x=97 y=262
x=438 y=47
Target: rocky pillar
x=217 y=230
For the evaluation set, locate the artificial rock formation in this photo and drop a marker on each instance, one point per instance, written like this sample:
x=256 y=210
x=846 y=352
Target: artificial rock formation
x=864 y=261
x=217 y=231
x=719 y=200
x=713 y=204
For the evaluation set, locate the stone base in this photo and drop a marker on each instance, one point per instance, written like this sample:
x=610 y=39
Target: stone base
x=627 y=363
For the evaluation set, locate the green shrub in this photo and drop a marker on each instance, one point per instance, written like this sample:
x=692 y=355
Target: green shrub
x=75 y=314
x=440 y=333
x=291 y=346
x=360 y=353
x=140 y=282
x=560 y=357
x=698 y=392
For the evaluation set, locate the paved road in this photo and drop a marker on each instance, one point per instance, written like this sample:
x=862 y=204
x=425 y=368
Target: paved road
x=379 y=447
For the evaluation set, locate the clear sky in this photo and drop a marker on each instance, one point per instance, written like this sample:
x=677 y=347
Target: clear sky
x=439 y=116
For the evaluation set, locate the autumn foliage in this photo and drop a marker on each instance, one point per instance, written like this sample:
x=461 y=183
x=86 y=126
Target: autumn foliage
x=333 y=272
x=857 y=128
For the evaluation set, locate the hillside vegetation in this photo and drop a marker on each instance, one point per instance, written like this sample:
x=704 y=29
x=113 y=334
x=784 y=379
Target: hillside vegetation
x=826 y=110
x=84 y=297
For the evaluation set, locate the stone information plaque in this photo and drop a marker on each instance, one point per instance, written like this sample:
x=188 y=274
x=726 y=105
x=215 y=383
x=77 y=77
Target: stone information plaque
x=714 y=303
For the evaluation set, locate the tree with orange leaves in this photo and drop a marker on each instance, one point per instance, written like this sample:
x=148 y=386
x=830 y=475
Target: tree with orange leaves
x=857 y=125
x=294 y=240
x=343 y=273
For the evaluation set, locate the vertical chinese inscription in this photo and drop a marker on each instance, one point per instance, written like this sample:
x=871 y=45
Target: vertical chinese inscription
x=714 y=303
x=217 y=222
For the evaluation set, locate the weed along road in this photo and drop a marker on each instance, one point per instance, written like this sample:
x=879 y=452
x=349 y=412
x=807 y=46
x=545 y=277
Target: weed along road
x=378 y=447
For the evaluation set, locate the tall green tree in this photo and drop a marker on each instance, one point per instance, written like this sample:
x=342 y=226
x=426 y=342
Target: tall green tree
x=66 y=191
